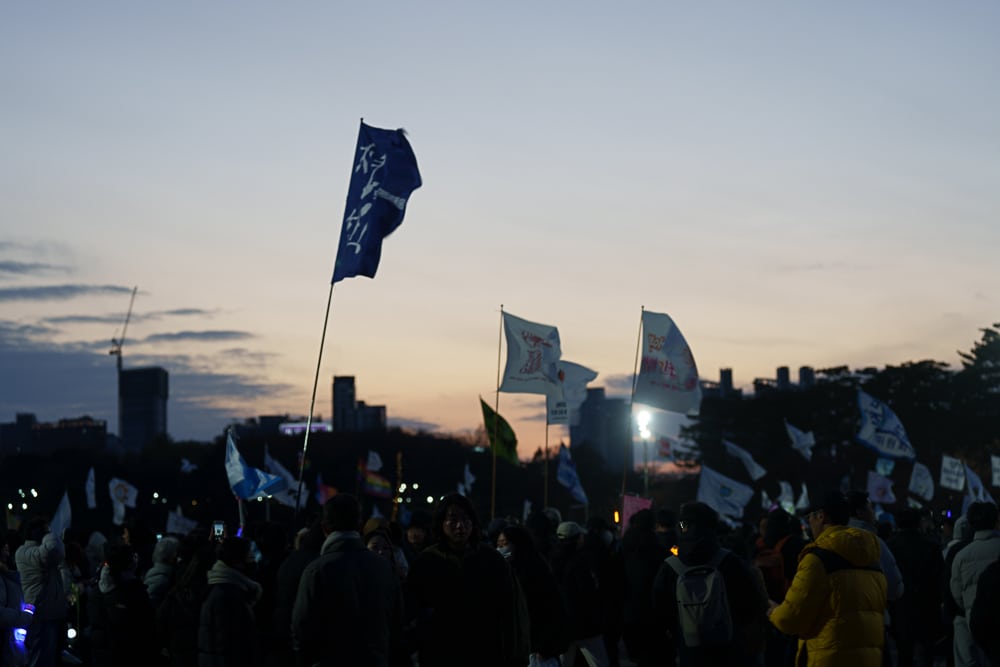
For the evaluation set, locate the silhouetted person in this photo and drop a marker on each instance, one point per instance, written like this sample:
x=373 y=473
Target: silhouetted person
x=226 y=636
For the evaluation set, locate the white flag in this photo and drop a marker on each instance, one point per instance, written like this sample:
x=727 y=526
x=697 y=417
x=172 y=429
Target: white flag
x=803 y=502
x=765 y=501
x=786 y=499
x=374 y=461
x=187 y=467
x=881 y=429
x=469 y=477
x=91 y=489
x=995 y=461
x=123 y=495
x=922 y=482
x=570 y=391
x=974 y=487
x=724 y=495
x=532 y=354
x=755 y=469
x=802 y=442
x=526 y=511
x=461 y=489
x=880 y=489
x=62 y=518
x=952 y=473
x=287 y=495
x=178 y=524
x=668 y=376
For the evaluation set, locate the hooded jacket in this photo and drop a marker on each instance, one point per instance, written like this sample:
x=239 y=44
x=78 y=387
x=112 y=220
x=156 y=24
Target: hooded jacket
x=837 y=614
x=38 y=563
x=226 y=636
x=970 y=563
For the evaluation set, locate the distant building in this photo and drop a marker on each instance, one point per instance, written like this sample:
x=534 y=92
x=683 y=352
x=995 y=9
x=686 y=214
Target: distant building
x=350 y=414
x=142 y=406
x=782 y=381
x=723 y=388
x=26 y=435
x=604 y=426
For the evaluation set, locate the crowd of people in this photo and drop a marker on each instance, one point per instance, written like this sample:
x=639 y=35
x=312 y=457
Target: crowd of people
x=834 y=586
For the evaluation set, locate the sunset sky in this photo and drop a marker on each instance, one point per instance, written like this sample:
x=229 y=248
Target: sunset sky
x=794 y=183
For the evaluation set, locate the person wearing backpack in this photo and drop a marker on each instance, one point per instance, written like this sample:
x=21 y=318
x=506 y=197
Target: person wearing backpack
x=836 y=602
x=708 y=601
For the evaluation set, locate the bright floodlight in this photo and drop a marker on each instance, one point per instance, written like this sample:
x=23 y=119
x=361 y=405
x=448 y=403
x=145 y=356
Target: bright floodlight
x=642 y=419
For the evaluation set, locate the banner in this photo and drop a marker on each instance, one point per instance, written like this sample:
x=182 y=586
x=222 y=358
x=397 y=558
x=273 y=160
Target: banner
x=668 y=376
x=755 y=469
x=802 y=442
x=570 y=392
x=385 y=174
x=880 y=489
x=724 y=495
x=500 y=434
x=881 y=429
x=567 y=476
x=922 y=482
x=533 y=353
x=952 y=473
x=631 y=505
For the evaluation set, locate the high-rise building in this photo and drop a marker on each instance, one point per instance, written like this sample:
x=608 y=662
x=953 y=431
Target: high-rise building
x=142 y=406
x=604 y=426
x=344 y=403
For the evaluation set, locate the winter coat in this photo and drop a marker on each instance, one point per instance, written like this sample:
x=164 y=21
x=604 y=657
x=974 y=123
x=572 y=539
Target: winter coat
x=286 y=587
x=226 y=636
x=746 y=597
x=41 y=581
x=969 y=564
x=547 y=614
x=11 y=616
x=349 y=607
x=121 y=617
x=158 y=580
x=466 y=606
x=577 y=572
x=917 y=612
x=177 y=621
x=837 y=615
x=984 y=617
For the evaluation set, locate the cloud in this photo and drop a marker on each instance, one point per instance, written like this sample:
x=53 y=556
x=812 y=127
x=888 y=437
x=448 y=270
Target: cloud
x=118 y=318
x=413 y=424
x=202 y=336
x=11 y=267
x=808 y=267
x=59 y=292
x=20 y=334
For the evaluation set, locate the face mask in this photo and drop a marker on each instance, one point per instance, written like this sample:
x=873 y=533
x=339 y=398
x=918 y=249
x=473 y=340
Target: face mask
x=504 y=551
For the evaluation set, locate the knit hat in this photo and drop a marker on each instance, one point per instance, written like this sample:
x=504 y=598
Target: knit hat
x=567 y=530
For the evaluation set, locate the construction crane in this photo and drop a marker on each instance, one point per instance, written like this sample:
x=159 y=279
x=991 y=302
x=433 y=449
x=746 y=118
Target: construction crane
x=116 y=343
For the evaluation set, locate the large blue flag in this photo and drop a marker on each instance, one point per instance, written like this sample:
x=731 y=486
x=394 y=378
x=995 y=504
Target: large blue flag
x=567 y=476
x=384 y=174
x=881 y=429
x=246 y=481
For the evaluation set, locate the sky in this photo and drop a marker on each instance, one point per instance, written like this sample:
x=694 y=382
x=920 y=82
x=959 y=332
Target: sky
x=793 y=183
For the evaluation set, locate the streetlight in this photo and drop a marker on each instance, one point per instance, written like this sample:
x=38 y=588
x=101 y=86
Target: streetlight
x=643 y=419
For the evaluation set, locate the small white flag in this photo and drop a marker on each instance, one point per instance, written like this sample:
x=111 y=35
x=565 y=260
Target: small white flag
x=374 y=461
x=187 y=467
x=91 y=489
x=755 y=469
x=178 y=524
x=668 y=375
x=881 y=429
x=921 y=481
x=952 y=473
x=803 y=442
x=570 y=392
x=803 y=502
x=724 y=495
x=974 y=487
x=526 y=511
x=461 y=489
x=469 y=477
x=995 y=461
x=122 y=495
x=786 y=499
x=62 y=518
x=287 y=495
x=765 y=501
x=880 y=489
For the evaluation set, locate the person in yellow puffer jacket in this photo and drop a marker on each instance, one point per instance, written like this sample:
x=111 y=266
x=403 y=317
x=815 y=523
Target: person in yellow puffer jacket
x=836 y=601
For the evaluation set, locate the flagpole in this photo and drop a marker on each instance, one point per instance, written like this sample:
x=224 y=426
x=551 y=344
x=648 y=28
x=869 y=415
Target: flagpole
x=635 y=378
x=496 y=424
x=545 y=486
x=312 y=402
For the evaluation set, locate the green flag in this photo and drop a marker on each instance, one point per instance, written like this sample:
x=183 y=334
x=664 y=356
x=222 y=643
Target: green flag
x=501 y=435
